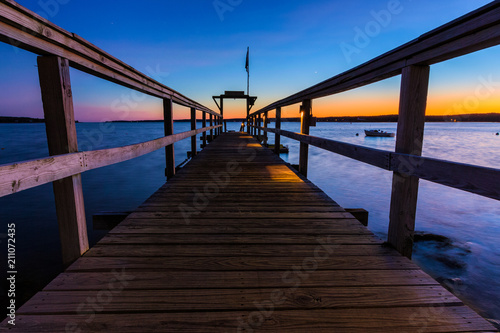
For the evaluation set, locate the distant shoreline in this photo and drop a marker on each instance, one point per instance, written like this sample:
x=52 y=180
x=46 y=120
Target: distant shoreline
x=481 y=117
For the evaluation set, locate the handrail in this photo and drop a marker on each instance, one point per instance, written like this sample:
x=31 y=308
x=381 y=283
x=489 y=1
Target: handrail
x=471 y=178
x=16 y=177
x=24 y=29
x=472 y=32
x=58 y=50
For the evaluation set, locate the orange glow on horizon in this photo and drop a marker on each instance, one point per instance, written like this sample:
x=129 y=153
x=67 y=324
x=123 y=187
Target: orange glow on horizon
x=354 y=104
x=447 y=104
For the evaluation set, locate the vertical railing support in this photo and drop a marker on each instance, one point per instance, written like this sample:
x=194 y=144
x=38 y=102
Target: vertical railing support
x=193 y=127
x=60 y=126
x=259 y=124
x=305 y=122
x=225 y=126
x=265 y=127
x=168 y=120
x=204 y=124
x=211 y=130
x=277 y=138
x=409 y=139
x=248 y=115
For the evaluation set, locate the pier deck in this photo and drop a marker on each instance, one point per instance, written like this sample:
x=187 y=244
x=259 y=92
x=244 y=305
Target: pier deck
x=238 y=242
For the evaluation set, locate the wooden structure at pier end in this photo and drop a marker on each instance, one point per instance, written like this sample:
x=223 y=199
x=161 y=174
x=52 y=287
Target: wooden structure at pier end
x=238 y=240
x=219 y=100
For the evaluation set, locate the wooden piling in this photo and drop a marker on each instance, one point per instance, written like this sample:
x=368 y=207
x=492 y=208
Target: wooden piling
x=60 y=126
x=248 y=114
x=305 y=122
x=265 y=128
x=168 y=120
x=277 y=138
x=193 y=127
x=409 y=139
x=211 y=130
x=204 y=124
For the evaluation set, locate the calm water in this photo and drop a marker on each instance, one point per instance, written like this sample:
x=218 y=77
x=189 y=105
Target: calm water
x=471 y=263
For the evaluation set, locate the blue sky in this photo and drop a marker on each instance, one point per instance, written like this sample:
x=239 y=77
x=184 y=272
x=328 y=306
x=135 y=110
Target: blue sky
x=198 y=48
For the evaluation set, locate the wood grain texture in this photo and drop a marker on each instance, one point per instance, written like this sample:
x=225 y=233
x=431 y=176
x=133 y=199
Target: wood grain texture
x=16 y=177
x=57 y=98
x=408 y=319
x=409 y=140
x=310 y=266
x=471 y=178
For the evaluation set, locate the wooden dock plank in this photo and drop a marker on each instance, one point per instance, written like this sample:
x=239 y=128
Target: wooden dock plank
x=409 y=319
x=177 y=239
x=222 y=250
x=108 y=264
x=164 y=280
x=292 y=298
x=238 y=241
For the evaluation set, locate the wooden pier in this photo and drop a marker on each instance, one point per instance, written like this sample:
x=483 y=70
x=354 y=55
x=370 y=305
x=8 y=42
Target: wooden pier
x=239 y=242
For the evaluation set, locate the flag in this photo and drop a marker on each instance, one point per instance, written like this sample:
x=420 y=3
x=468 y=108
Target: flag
x=247 y=67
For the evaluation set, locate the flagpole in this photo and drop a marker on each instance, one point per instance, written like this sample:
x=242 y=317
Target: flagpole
x=247 y=67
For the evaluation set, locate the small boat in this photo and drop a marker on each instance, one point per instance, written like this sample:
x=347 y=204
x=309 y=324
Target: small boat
x=378 y=133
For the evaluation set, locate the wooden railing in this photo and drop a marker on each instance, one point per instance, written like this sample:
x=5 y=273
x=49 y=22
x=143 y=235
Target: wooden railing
x=475 y=31
x=59 y=50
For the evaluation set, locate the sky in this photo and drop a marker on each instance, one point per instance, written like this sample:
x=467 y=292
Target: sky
x=198 y=48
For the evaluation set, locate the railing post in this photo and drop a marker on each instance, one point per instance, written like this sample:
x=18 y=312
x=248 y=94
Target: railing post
x=248 y=115
x=60 y=126
x=225 y=126
x=254 y=123
x=168 y=119
x=204 y=124
x=265 y=127
x=409 y=139
x=259 y=123
x=277 y=138
x=305 y=122
x=211 y=130
x=193 y=127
